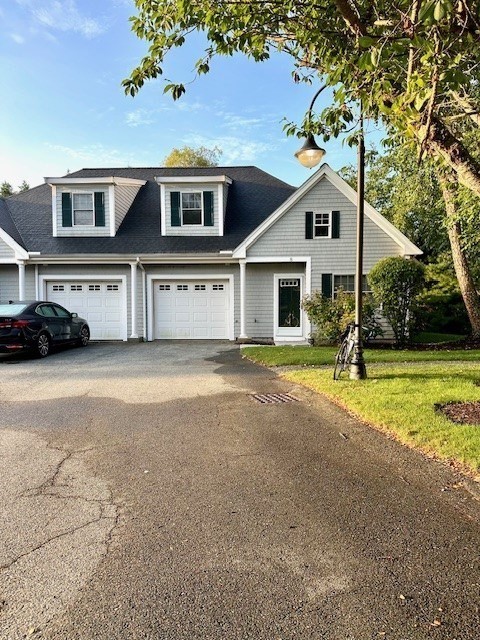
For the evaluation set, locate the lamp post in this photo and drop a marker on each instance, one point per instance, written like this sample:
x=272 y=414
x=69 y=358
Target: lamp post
x=309 y=155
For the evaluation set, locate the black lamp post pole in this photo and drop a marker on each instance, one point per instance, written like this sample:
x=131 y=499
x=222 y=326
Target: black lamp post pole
x=358 y=369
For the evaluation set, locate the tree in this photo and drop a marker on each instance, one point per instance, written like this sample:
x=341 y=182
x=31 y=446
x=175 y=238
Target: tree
x=412 y=64
x=6 y=189
x=416 y=199
x=23 y=187
x=396 y=284
x=193 y=157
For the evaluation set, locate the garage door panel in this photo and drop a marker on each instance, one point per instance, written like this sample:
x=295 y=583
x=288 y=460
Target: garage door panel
x=101 y=304
x=201 y=310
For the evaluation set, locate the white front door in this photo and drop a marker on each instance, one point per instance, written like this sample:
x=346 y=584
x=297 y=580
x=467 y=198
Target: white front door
x=100 y=302
x=191 y=309
x=288 y=311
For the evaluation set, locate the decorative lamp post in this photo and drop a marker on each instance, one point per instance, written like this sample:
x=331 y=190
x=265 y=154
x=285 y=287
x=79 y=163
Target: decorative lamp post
x=309 y=155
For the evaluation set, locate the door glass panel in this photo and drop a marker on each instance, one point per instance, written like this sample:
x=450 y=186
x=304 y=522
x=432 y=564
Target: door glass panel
x=289 y=302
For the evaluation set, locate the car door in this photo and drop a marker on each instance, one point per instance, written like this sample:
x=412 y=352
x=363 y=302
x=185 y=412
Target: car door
x=70 y=328
x=54 y=323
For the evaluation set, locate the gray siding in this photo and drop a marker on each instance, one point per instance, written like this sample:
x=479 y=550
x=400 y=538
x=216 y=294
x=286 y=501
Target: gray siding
x=124 y=196
x=287 y=236
x=191 y=230
x=6 y=252
x=87 y=230
x=8 y=282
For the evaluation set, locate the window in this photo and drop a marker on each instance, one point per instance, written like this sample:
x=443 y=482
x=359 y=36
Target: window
x=200 y=287
x=192 y=208
x=322 y=222
x=61 y=312
x=182 y=287
x=347 y=283
x=76 y=287
x=46 y=310
x=164 y=287
x=58 y=287
x=112 y=287
x=83 y=211
x=217 y=287
x=94 y=287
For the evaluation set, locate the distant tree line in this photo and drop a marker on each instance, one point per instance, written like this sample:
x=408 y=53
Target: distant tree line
x=6 y=188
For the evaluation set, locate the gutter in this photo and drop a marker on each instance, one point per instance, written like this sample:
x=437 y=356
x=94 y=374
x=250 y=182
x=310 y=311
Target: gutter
x=144 y=299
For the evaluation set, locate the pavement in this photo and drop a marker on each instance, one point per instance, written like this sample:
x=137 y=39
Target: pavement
x=148 y=495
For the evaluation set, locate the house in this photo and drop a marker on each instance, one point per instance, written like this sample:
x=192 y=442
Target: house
x=187 y=253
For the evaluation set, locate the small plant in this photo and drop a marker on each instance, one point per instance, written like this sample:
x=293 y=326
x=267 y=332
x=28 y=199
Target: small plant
x=330 y=317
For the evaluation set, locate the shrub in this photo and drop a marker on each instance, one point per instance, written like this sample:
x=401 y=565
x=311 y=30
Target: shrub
x=330 y=318
x=396 y=284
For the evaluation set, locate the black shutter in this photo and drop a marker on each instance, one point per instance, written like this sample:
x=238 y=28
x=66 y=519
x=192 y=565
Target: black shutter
x=208 y=208
x=175 y=208
x=99 y=203
x=335 y=224
x=309 y=225
x=66 y=209
x=327 y=285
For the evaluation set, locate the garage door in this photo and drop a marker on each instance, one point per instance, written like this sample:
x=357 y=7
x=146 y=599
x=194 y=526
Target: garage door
x=100 y=303
x=195 y=310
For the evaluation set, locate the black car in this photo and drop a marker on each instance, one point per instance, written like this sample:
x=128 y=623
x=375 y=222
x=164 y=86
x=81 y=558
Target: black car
x=39 y=325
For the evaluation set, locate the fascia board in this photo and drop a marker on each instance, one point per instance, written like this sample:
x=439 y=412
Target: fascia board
x=192 y=179
x=102 y=180
x=127 y=258
x=20 y=252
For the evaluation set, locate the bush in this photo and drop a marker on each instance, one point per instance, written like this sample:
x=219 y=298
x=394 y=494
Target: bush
x=330 y=318
x=396 y=284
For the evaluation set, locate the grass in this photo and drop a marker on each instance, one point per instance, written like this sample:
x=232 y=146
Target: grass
x=426 y=337
x=318 y=356
x=401 y=401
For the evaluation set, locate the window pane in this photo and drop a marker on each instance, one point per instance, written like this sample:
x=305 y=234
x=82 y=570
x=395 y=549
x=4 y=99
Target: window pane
x=321 y=232
x=61 y=312
x=83 y=208
x=192 y=216
x=191 y=200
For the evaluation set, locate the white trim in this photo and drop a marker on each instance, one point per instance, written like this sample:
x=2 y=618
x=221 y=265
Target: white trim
x=207 y=276
x=221 y=204
x=408 y=248
x=54 y=209
x=163 y=210
x=101 y=180
x=202 y=211
x=243 y=297
x=287 y=335
x=268 y=259
x=192 y=179
x=21 y=280
x=123 y=279
x=329 y=225
x=133 y=299
x=111 y=209
x=37 y=284
x=20 y=253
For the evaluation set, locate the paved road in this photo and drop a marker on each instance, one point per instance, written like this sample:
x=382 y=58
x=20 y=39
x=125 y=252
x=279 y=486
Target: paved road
x=148 y=496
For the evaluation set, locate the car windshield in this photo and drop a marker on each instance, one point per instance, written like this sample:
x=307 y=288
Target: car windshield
x=12 y=309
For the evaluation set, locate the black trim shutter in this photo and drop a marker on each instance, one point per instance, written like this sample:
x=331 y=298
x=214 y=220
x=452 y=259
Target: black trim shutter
x=309 y=225
x=208 y=208
x=99 y=204
x=175 y=209
x=66 y=209
x=335 y=224
x=327 y=285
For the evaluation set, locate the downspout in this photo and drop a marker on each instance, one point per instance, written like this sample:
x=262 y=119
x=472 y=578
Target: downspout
x=144 y=299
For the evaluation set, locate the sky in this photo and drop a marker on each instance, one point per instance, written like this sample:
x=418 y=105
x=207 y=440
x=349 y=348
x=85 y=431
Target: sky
x=63 y=107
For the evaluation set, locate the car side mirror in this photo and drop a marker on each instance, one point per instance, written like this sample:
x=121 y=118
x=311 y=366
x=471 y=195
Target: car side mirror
x=74 y=315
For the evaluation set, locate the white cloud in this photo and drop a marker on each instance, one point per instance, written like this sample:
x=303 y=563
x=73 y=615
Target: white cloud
x=17 y=38
x=139 y=118
x=63 y=15
x=234 y=121
x=94 y=155
x=235 y=150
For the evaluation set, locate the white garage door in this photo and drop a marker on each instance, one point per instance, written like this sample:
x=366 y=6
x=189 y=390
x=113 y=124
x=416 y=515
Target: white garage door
x=99 y=302
x=192 y=310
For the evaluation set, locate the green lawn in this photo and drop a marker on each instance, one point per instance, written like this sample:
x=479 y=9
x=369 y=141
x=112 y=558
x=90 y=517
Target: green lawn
x=399 y=396
x=317 y=356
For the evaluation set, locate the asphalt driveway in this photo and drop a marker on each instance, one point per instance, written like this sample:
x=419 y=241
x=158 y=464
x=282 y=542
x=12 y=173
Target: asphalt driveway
x=147 y=494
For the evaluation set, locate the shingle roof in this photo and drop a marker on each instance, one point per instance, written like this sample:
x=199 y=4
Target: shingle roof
x=253 y=196
x=7 y=224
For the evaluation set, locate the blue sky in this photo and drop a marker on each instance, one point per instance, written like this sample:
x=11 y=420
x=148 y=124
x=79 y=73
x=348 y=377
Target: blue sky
x=63 y=107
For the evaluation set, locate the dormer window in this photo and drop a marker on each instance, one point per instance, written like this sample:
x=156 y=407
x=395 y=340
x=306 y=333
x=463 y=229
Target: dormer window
x=192 y=212
x=83 y=209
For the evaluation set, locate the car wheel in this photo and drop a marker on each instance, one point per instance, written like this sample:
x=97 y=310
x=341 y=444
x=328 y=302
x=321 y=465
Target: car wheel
x=42 y=345
x=84 y=336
